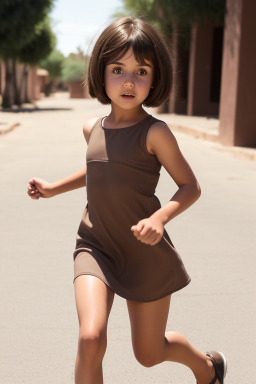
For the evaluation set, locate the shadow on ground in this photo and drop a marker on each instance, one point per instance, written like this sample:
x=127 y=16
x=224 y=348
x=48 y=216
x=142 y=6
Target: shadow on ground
x=35 y=109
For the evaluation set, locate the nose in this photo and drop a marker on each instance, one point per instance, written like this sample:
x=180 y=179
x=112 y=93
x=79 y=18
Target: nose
x=129 y=83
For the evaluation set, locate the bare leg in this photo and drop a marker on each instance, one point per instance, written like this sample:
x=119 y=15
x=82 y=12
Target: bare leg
x=93 y=301
x=152 y=345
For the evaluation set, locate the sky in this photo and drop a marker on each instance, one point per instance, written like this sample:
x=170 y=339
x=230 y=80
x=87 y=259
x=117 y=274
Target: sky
x=78 y=23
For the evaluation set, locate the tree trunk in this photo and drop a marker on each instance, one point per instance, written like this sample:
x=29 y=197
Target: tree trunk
x=7 y=96
x=48 y=88
x=17 y=99
x=26 y=84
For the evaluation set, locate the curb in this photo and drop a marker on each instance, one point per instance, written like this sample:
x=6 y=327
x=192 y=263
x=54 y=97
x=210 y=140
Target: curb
x=238 y=152
x=195 y=132
x=9 y=128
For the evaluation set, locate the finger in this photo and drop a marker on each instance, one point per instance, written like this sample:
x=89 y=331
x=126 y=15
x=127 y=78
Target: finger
x=147 y=231
x=148 y=239
x=157 y=240
x=137 y=228
x=32 y=188
x=32 y=181
x=134 y=230
x=146 y=234
x=33 y=197
x=33 y=191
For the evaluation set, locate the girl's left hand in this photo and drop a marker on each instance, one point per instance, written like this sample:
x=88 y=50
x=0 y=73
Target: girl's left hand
x=148 y=231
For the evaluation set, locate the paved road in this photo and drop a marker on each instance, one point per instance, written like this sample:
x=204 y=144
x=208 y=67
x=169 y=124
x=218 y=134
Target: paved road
x=216 y=238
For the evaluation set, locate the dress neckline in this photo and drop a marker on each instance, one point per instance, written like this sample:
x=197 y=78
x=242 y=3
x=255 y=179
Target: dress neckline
x=117 y=129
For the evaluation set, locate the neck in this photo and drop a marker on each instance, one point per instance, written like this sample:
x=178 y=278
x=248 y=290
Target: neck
x=123 y=116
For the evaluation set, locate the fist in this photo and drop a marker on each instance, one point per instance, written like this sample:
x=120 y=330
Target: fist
x=148 y=231
x=39 y=188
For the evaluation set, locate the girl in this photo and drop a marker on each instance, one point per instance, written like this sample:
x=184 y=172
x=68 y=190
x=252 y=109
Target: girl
x=121 y=245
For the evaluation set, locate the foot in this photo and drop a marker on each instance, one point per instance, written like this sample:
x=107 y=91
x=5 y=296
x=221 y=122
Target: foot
x=217 y=368
x=220 y=366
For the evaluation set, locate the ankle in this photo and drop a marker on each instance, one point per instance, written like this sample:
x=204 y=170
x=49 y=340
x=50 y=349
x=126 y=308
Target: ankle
x=206 y=374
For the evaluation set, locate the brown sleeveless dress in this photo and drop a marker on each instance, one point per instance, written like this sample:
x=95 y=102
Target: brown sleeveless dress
x=121 y=180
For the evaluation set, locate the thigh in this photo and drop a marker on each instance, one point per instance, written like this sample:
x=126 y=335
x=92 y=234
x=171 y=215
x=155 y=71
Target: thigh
x=94 y=300
x=148 y=323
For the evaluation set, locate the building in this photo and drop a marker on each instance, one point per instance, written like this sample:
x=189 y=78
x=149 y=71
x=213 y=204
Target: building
x=216 y=75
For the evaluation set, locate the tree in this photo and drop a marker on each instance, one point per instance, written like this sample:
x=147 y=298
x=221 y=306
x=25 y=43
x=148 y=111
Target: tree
x=164 y=14
x=146 y=9
x=53 y=63
x=37 y=49
x=73 y=70
x=186 y=12
x=18 y=21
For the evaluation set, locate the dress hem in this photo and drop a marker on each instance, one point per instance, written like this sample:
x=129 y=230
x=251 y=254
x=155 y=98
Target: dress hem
x=130 y=299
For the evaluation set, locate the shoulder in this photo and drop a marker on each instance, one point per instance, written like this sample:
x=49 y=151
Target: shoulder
x=87 y=127
x=159 y=135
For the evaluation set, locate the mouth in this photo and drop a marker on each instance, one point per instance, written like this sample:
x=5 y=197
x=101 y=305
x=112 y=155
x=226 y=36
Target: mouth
x=127 y=96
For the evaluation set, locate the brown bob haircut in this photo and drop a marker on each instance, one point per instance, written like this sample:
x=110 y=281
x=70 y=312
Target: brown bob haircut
x=146 y=43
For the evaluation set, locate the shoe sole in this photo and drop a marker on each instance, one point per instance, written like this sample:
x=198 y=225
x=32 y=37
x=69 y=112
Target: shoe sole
x=225 y=365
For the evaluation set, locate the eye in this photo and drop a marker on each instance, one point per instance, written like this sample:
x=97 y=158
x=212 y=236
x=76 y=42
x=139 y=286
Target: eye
x=144 y=72
x=115 y=70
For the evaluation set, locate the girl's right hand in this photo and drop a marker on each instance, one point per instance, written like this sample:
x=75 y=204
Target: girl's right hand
x=39 y=188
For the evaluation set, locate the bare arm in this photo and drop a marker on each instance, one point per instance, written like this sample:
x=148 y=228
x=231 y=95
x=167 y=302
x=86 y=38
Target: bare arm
x=75 y=181
x=165 y=147
x=40 y=188
x=163 y=144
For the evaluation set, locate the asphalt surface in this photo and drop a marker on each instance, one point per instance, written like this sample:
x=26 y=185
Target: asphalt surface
x=215 y=237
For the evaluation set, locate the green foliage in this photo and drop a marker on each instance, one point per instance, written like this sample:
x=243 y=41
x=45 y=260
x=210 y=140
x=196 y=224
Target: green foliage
x=43 y=42
x=164 y=13
x=18 y=19
x=148 y=10
x=136 y=8
x=73 y=70
x=53 y=63
x=186 y=12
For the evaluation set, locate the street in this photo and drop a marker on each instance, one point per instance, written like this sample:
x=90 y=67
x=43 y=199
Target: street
x=215 y=237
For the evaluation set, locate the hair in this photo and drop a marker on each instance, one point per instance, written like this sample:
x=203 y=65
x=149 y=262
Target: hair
x=146 y=43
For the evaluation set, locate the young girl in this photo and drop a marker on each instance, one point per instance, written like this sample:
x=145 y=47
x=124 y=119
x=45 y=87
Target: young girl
x=121 y=245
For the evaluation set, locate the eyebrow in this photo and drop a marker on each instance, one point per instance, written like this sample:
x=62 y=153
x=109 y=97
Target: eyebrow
x=138 y=65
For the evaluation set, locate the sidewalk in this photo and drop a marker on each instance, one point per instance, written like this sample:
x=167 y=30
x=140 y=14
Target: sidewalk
x=7 y=126
x=9 y=119
x=206 y=128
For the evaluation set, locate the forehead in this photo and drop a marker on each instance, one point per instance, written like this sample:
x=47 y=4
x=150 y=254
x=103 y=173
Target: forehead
x=129 y=57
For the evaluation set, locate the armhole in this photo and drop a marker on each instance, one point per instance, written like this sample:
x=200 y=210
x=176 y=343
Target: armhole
x=93 y=127
x=145 y=138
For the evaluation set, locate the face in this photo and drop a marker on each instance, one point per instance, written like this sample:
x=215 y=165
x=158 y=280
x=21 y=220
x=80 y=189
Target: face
x=128 y=77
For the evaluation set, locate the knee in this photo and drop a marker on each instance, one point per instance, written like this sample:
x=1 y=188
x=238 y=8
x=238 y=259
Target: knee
x=92 y=344
x=147 y=358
